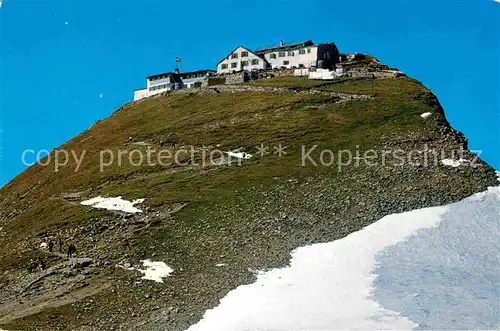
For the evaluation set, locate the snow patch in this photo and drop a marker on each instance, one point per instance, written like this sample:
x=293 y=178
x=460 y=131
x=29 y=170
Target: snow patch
x=141 y=143
x=240 y=155
x=453 y=268
x=453 y=163
x=425 y=115
x=116 y=203
x=498 y=172
x=327 y=286
x=44 y=245
x=219 y=265
x=331 y=286
x=155 y=270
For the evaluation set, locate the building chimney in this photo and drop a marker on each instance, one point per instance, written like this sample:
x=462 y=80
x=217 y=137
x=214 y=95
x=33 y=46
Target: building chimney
x=281 y=43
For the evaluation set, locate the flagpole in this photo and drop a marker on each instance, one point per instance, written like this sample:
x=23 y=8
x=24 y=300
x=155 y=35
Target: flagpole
x=177 y=61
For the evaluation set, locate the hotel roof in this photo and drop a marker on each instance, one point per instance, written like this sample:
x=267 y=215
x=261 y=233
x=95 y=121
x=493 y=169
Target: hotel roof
x=285 y=46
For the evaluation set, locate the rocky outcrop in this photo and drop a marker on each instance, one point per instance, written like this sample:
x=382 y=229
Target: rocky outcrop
x=255 y=88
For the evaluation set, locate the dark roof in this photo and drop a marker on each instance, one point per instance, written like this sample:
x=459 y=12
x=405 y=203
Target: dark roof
x=180 y=74
x=197 y=71
x=285 y=46
x=162 y=74
x=173 y=76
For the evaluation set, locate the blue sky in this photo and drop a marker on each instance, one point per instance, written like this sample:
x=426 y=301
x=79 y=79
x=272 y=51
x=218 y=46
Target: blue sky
x=66 y=64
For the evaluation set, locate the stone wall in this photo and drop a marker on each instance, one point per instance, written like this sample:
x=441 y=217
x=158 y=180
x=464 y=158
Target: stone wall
x=270 y=73
x=368 y=69
x=217 y=80
x=341 y=97
x=241 y=77
x=236 y=78
x=368 y=72
x=281 y=72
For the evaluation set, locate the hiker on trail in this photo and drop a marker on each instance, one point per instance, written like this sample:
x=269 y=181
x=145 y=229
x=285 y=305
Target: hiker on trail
x=51 y=245
x=60 y=242
x=41 y=264
x=31 y=266
x=71 y=250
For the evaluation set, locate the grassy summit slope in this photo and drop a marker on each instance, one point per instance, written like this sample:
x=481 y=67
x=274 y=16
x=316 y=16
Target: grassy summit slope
x=230 y=120
x=247 y=216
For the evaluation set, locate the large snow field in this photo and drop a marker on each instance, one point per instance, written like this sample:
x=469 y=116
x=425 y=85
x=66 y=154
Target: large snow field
x=429 y=268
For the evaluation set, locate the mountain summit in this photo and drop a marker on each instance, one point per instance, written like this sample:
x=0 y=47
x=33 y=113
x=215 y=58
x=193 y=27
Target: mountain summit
x=175 y=200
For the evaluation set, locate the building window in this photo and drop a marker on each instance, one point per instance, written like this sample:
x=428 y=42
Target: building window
x=285 y=63
x=223 y=66
x=308 y=50
x=244 y=63
x=244 y=54
x=255 y=62
x=272 y=56
x=302 y=51
x=282 y=54
x=290 y=53
x=234 y=65
x=234 y=56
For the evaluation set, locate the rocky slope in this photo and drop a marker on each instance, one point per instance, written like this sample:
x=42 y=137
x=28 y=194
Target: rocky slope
x=352 y=151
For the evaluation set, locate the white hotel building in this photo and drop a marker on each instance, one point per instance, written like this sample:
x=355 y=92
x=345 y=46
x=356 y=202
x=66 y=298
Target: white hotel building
x=241 y=59
x=304 y=54
x=169 y=81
